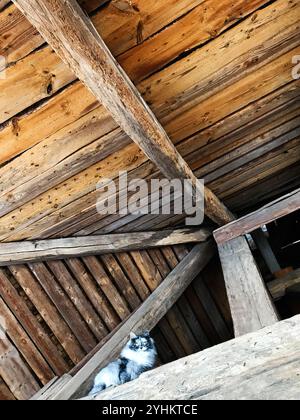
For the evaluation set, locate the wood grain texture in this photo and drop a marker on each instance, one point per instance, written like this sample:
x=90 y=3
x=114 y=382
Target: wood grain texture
x=48 y=311
x=23 y=252
x=267 y=214
x=31 y=325
x=112 y=87
x=14 y=370
x=250 y=304
x=24 y=344
x=259 y=366
x=147 y=316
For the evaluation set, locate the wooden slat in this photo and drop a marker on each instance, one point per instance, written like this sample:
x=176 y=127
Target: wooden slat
x=48 y=311
x=113 y=88
x=35 y=169
x=107 y=286
x=31 y=251
x=267 y=214
x=121 y=280
x=211 y=309
x=32 y=327
x=64 y=305
x=76 y=209
x=24 y=345
x=259 y=366
x=147 y=316
x=250 y=304
x=14 y=371
x=78 y=299
x=5 y=392
x=95 y=295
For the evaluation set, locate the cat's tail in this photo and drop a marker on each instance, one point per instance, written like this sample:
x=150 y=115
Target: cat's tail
x=97 y=389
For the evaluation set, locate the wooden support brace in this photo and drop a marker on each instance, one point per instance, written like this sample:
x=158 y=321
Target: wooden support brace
x=144 y=318
x=250 y=303
x=267 y=214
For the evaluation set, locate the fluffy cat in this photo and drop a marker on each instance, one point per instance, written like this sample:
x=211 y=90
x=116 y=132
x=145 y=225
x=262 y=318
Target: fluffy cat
x=138 y=356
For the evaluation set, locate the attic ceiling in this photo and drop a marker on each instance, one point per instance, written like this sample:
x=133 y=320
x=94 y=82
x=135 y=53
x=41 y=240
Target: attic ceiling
x=217 y=75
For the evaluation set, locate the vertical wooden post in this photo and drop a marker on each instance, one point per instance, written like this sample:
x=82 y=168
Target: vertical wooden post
x=250 y=303
x=265 y=249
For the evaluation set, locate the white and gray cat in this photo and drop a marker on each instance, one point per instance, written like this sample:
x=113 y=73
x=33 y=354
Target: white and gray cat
x=138 y=356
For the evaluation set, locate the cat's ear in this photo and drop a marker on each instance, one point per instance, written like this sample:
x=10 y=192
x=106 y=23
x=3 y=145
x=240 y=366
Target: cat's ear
x=132 y=335
x=146 y=334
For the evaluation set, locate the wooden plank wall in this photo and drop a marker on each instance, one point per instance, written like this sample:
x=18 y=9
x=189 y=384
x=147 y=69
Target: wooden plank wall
x=54 y=314
x=237 y=138
x=222 y=89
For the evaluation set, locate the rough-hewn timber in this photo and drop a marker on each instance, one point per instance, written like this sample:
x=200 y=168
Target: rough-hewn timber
x=65 y=26
x=31 y=251
x=260 y=366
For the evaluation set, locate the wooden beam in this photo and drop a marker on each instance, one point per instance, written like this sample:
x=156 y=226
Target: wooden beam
x=72 y=35
x=14 y=370
x=250 y=304
x=54 y=249
x=279 y=287
x=144 y=318
x=266 y=251
x=267 y=214
x=260 y=366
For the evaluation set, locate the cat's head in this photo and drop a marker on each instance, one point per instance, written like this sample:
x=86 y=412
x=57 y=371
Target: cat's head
x=142 y=342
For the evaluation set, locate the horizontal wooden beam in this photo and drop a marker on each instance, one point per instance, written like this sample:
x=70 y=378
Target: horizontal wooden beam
x=260 y=366
x=267 y=214
x=54 y=249
x=146 y=317
x=250 y=303
x=72 y=35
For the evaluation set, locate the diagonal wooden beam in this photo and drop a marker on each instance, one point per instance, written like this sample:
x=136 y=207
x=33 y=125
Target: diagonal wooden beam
x=55 y=249
x=146 y=317
x=72 y=35
x=279 y=208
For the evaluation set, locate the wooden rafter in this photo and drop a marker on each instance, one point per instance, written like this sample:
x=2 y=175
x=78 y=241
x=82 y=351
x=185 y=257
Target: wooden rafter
x=267 y=214
x=146 y=317
x=72 y=35
x=31 y=251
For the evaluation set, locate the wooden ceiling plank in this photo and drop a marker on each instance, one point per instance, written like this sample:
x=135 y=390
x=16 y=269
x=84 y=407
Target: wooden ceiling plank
x=260 y=366
x=66 y=27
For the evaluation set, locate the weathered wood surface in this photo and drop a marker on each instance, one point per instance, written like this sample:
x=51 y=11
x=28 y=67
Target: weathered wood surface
x=267 y=214
x=266 y=251
x=260 y=366
x=48 y=311
x=31 y=251
x=31 y=325
x=146 y=317
x=279 y=287
x=250 y=304
x=112 y=87
x=65 y=113
x=23 y=343
x=14 y=371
